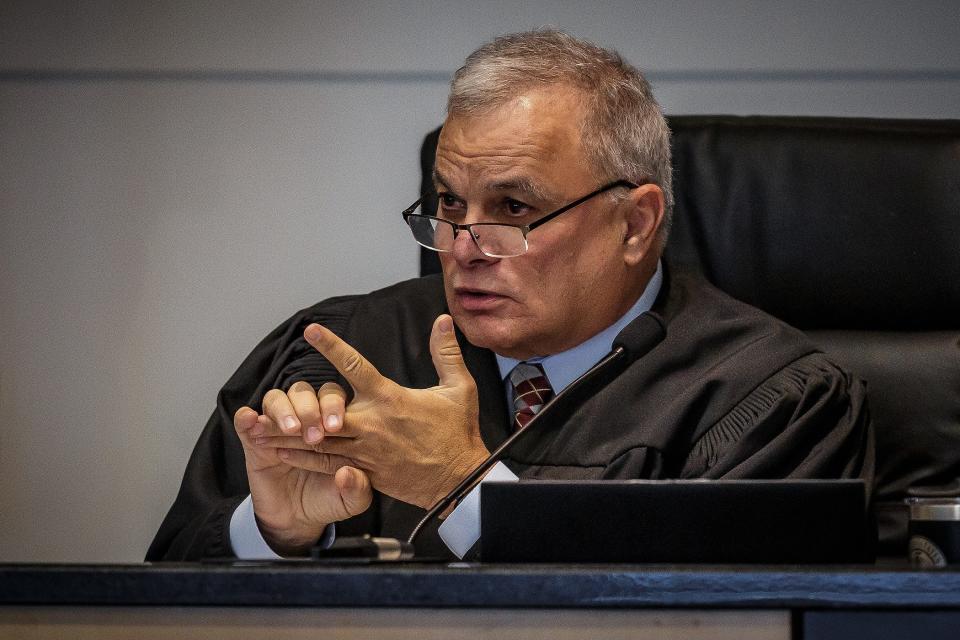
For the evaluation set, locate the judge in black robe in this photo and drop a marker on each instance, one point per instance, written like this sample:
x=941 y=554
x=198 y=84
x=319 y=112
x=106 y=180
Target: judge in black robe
x=537 y=124
x=729 y=393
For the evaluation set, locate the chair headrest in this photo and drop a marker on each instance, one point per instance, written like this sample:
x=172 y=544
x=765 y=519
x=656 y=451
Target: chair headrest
x=835 y=223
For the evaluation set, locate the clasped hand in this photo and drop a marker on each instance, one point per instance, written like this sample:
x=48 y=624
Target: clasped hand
x=311 y=459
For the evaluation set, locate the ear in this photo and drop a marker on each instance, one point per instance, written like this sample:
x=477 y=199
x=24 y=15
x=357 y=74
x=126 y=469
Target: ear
x=643 y=215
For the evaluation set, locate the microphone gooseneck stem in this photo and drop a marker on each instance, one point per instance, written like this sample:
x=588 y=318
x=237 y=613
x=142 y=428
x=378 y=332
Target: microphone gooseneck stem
x=473 y=479
x=638 y=338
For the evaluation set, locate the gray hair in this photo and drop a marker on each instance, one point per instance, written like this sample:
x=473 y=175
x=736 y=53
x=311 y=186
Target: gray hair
x=623 y=133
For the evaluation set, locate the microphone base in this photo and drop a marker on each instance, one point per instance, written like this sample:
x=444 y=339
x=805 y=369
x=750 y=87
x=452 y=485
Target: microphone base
x=384 y=549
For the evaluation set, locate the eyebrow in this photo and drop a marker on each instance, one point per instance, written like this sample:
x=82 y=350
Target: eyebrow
x=525 y=185
x=521 y=184
x=439 y=179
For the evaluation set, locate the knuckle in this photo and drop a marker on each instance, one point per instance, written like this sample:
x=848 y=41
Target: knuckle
x=271 y=397
x=331 y=394
x=330 y=389
x=352 y=363
x=300 y=386
x=450 y=351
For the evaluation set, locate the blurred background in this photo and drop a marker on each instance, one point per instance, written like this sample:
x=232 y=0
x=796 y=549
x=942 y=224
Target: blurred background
x=178 y=177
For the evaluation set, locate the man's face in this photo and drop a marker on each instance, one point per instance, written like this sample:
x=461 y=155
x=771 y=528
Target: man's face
x=514 y=165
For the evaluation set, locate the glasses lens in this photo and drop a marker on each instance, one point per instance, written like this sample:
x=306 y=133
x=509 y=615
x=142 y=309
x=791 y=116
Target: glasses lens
x=431 y=233
x=498 y=240
x=494 y=240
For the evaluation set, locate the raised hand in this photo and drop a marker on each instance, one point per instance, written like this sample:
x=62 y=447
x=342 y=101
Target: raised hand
x=414 y=444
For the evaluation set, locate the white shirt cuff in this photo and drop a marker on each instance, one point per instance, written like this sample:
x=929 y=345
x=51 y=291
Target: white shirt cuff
x=461 y=530
x=247 y=541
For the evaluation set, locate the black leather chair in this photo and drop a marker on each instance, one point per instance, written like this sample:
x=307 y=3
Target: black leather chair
x=850 y=230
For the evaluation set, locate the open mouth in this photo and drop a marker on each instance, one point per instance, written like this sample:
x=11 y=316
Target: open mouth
x=477 y=299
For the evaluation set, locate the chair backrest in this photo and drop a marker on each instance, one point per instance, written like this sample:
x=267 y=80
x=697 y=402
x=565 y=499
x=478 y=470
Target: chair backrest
x=850 y=230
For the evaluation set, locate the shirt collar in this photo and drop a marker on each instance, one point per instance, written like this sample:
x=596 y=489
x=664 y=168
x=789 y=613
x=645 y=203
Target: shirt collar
x=565 y=367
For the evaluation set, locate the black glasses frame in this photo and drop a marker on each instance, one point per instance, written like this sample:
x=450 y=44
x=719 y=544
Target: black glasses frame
x=524 y=228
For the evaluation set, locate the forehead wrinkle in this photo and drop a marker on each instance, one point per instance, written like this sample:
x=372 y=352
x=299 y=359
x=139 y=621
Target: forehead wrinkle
x=522 y=184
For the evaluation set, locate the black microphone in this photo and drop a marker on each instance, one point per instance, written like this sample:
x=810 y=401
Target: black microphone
x=633 y=342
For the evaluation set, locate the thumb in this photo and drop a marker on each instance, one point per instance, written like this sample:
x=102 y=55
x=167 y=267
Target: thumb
x=355 y=490
x=445 y=351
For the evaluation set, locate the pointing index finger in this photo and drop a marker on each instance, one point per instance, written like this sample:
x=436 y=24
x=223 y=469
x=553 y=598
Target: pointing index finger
x=358 y=371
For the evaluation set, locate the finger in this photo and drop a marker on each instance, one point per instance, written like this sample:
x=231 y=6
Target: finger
x=283 y=442
x=446 y=354
x=296 y=442
x=244 y=420
x=355 y=489
x=311 y=461
x=358 y=371
x=247 y=423
x=343 y=447
x=303 y=399
x=333 y=401
x=277 y=407
x=266 y=427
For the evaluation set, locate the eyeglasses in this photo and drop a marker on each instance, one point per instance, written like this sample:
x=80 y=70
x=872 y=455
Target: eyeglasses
x=494 y=239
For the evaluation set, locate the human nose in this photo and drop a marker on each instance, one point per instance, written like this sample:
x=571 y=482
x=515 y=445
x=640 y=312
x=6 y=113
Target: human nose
x=466 y=250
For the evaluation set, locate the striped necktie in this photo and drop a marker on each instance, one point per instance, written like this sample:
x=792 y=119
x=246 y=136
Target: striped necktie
x=531 y=390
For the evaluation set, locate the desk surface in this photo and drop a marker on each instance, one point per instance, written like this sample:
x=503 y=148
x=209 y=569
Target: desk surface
x=476 y=585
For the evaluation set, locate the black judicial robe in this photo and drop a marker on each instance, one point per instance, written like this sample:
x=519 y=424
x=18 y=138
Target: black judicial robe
x=730 y=393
